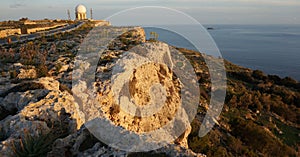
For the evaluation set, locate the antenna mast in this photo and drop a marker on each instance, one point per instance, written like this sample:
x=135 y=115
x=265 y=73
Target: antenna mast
x=91 y=13
x=69 y=15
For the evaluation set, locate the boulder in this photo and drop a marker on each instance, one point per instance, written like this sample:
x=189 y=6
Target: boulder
x=138 y=92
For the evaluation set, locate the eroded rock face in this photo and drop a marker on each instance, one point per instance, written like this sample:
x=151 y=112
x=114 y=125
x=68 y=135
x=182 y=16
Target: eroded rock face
x=148 y=75
x=142 y=91
x=142 y=94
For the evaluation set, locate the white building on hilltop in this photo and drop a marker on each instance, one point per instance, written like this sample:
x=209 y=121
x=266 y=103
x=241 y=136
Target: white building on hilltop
x=80 y=12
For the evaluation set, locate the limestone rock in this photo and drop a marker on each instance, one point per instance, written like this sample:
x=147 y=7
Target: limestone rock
x=17 y=101
x=49 y=83
x=23 y=72
x=142 y=81
x=15 y=128
x=27 y=74
x=39 y=110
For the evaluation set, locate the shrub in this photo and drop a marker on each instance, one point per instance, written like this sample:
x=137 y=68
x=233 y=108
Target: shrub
x=258 y=139
x=259 y=75
x=33 y=146
x=57 y=67
x=42 y=71
x=289 y=82
x=39 y=145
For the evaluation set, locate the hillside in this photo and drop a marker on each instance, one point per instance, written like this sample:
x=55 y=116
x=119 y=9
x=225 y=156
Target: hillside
x=39 y=113
x=260 y=116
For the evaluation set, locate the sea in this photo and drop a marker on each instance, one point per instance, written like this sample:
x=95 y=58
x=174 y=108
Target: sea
x=273 y=49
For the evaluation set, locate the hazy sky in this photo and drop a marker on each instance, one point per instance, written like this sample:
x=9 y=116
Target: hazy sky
x=205 y=11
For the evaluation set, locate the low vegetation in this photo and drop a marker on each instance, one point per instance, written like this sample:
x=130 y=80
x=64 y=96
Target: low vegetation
x=260 y=116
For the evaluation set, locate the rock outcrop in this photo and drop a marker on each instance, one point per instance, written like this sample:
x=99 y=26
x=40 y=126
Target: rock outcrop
x=38 y=111
x=146 y=88
x=23 y=72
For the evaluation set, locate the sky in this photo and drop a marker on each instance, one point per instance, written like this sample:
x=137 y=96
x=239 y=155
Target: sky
x=204 y=11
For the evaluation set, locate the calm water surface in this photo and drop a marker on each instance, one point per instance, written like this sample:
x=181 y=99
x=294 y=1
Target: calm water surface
x=274 y=49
